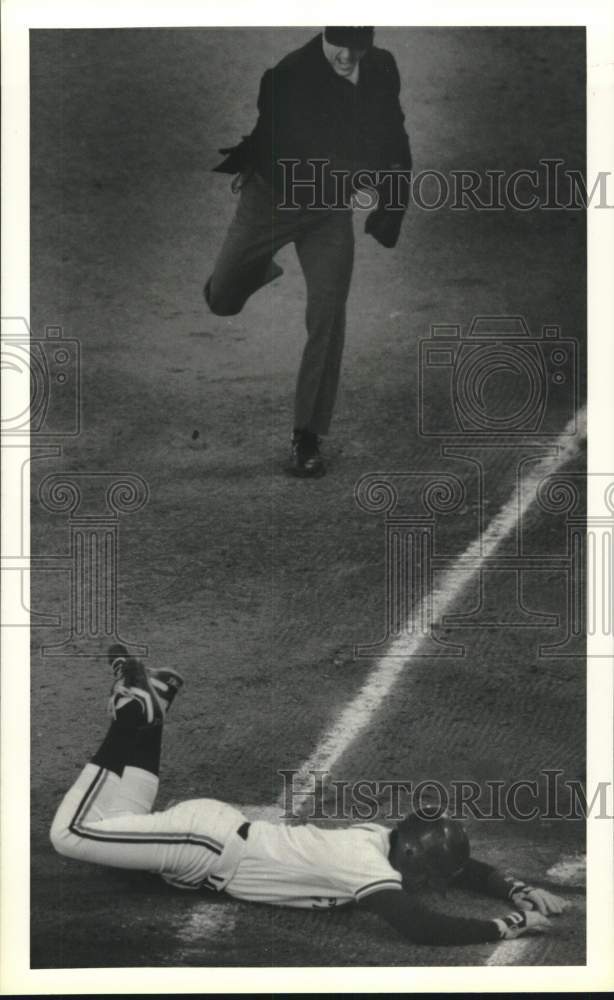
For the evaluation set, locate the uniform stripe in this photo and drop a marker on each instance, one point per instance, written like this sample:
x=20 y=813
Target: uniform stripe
x=128 y=838
x=90 y=796
x=89 y=832
x=374 y=886
x=79 y=827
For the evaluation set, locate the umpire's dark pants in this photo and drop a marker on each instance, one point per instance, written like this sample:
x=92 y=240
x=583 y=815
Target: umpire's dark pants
x=324 y=241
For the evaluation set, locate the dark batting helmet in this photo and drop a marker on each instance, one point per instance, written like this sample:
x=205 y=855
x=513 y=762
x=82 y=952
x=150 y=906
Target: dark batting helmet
x=430 y=848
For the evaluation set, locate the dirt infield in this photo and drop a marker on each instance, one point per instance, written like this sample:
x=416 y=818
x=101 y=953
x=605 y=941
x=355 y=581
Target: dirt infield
x=255 y=585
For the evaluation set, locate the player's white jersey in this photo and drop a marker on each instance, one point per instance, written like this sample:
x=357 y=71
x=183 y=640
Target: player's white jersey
x=308 y=866
x=206 y=844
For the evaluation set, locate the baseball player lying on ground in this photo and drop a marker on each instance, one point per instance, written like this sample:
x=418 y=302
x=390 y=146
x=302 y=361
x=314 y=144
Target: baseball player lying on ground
x=106 y=818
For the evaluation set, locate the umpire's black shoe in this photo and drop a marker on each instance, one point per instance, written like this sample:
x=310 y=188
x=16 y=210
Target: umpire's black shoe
x=306 y=459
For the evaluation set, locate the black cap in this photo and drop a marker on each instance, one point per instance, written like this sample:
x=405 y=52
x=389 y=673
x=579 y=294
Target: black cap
x=350 y=38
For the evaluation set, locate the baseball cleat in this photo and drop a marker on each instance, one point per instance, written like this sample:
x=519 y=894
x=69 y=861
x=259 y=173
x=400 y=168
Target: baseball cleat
x=133 y=686
x=167 y=684
x=117 y=655
x=307 y=461
x=152 y=690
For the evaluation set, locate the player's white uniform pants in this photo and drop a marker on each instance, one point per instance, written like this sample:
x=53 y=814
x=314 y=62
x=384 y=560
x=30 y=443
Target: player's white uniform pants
x=108 y=820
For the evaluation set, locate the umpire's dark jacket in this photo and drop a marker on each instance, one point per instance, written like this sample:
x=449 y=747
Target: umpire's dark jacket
x=308 y=112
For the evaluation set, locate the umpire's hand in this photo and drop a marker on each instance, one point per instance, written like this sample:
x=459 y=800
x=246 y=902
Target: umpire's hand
x=384 y=224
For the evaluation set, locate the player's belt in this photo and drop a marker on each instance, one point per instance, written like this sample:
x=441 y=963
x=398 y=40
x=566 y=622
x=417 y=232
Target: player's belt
x=223 y=867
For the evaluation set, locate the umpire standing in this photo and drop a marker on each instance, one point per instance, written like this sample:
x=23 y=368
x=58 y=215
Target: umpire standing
x=330 y=131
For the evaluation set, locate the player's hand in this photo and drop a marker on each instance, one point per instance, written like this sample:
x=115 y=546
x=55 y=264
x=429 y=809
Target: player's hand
x=546 y=903
x=527 y=922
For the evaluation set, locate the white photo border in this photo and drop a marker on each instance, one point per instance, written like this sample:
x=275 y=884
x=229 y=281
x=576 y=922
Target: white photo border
x=18 y=16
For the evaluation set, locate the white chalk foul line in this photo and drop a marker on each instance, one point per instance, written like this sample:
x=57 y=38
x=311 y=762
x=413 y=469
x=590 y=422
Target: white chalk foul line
x=523 y=951
x=357 y=714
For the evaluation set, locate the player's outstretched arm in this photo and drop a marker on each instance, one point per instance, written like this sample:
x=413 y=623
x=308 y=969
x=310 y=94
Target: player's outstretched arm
x=419 y=924
x=481 y=877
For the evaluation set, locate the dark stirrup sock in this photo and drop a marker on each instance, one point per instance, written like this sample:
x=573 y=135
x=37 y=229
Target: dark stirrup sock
x=113 y=750
x=129 y=744
x=145 y=748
